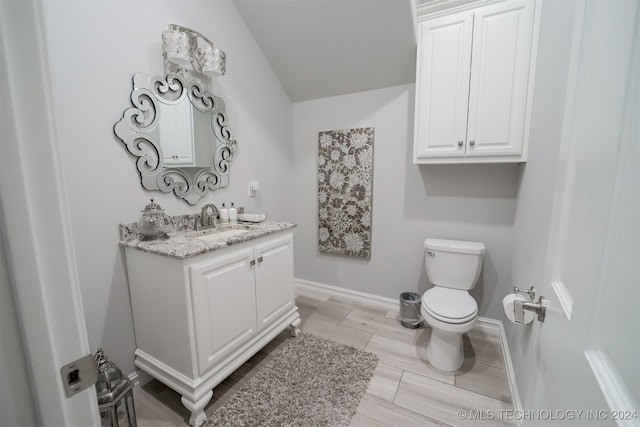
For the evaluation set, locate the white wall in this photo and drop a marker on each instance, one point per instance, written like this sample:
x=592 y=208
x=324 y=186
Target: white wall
x=94 y=48
x=535 y=200
x=410 y=203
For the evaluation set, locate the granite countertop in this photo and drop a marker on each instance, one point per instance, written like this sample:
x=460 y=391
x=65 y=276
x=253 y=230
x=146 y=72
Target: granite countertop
x=183 y=242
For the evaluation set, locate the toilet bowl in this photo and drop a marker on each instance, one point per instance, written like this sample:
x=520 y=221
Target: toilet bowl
x=453 y=267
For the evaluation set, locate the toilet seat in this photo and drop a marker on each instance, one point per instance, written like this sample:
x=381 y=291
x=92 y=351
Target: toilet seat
x=449 y=305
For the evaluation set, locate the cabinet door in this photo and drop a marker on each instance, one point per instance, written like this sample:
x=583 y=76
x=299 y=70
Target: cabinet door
x=274 y=279
x=442 y=90
x=224 y=305
x=176 y=133
x=502 y=36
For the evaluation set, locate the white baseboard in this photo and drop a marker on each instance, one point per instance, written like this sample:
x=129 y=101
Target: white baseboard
x=309 y=288
x=315 y=289
x=485 y=322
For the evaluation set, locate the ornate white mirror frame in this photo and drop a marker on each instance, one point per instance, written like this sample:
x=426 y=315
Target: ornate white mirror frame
x=162 y=122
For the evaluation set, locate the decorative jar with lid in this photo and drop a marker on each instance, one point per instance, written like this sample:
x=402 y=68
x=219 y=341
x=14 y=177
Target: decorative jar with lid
x=154 y=223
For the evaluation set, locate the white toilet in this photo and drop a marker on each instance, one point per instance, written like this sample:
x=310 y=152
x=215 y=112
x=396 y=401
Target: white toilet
x=453 y=267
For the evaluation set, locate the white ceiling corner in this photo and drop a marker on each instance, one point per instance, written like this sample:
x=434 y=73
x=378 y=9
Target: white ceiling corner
x=321 y=48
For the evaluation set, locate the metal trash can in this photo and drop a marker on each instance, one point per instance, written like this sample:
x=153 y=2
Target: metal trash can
x=410 y=309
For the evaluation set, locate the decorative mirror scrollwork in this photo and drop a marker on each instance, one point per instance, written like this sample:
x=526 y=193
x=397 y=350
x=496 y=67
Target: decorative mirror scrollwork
x=178 y=131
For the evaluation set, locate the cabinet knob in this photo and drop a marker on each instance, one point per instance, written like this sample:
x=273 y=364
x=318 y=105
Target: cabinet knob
x=252 y=262
x=460 y=143
x=260 y=259
x=472 y=142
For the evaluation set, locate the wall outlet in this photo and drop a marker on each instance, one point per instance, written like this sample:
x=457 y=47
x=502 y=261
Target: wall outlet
x=253 y=187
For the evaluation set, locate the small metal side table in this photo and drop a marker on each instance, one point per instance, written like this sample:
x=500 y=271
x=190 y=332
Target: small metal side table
x=113 y=389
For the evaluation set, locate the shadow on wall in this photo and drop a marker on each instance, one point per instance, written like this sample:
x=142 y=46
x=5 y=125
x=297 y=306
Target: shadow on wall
x=117 y=336
x=347 y=259
x=489 y=274
x=473 y=193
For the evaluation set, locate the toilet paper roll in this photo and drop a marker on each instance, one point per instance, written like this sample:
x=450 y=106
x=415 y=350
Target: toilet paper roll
x=509 y=303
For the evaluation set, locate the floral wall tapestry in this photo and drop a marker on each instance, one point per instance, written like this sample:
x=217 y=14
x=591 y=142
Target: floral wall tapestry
x=345 y=181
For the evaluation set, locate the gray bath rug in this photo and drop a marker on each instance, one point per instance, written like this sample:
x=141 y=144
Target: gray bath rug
x=310 y=382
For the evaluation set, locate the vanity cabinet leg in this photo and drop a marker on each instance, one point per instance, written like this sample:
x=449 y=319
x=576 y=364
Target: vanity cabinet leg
x=198 y=417
x=293 y=328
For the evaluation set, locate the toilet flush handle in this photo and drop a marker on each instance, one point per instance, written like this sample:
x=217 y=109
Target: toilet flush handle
x=430 y=253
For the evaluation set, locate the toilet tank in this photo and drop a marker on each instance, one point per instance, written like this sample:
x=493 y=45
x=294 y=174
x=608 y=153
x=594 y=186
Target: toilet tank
x=453 y=264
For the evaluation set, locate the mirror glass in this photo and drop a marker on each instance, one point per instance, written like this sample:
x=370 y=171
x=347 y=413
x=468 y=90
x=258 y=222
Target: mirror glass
x=179 y=134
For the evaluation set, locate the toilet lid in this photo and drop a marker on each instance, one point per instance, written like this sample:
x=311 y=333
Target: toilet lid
x=450 y=305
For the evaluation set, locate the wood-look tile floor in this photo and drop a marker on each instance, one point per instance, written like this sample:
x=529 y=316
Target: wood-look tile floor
x=405 y=390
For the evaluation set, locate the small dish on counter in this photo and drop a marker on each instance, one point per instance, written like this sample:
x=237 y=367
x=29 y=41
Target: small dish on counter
x=252 y=217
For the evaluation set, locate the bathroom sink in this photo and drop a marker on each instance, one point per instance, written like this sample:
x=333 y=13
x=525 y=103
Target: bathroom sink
x=222 y=234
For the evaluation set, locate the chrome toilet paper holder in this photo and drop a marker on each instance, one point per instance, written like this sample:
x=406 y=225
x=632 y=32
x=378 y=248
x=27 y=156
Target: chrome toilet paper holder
x=540 y=307
x=531 y=291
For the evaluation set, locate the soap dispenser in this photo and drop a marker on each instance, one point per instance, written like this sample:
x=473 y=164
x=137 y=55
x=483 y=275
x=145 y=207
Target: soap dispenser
x=233 y=214
x=224 y=215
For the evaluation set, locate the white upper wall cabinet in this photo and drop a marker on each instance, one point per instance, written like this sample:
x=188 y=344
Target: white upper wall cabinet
x=474 y=75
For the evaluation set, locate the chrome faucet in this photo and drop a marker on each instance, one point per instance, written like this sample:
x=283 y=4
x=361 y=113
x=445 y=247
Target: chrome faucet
x=206 y=220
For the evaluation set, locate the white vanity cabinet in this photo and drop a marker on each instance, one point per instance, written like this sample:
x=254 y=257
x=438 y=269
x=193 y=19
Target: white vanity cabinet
x=245 y=290
x=474 y=84
x=198 y=319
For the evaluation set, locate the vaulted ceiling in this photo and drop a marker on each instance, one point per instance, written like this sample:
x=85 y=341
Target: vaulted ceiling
x=321 y=48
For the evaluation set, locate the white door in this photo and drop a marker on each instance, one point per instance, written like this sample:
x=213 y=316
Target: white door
x=274 y=279
x=176 y=138
x=224 y=304
x=589 y=344
x=442 y=89
x=35 y=222
x=502 y=36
